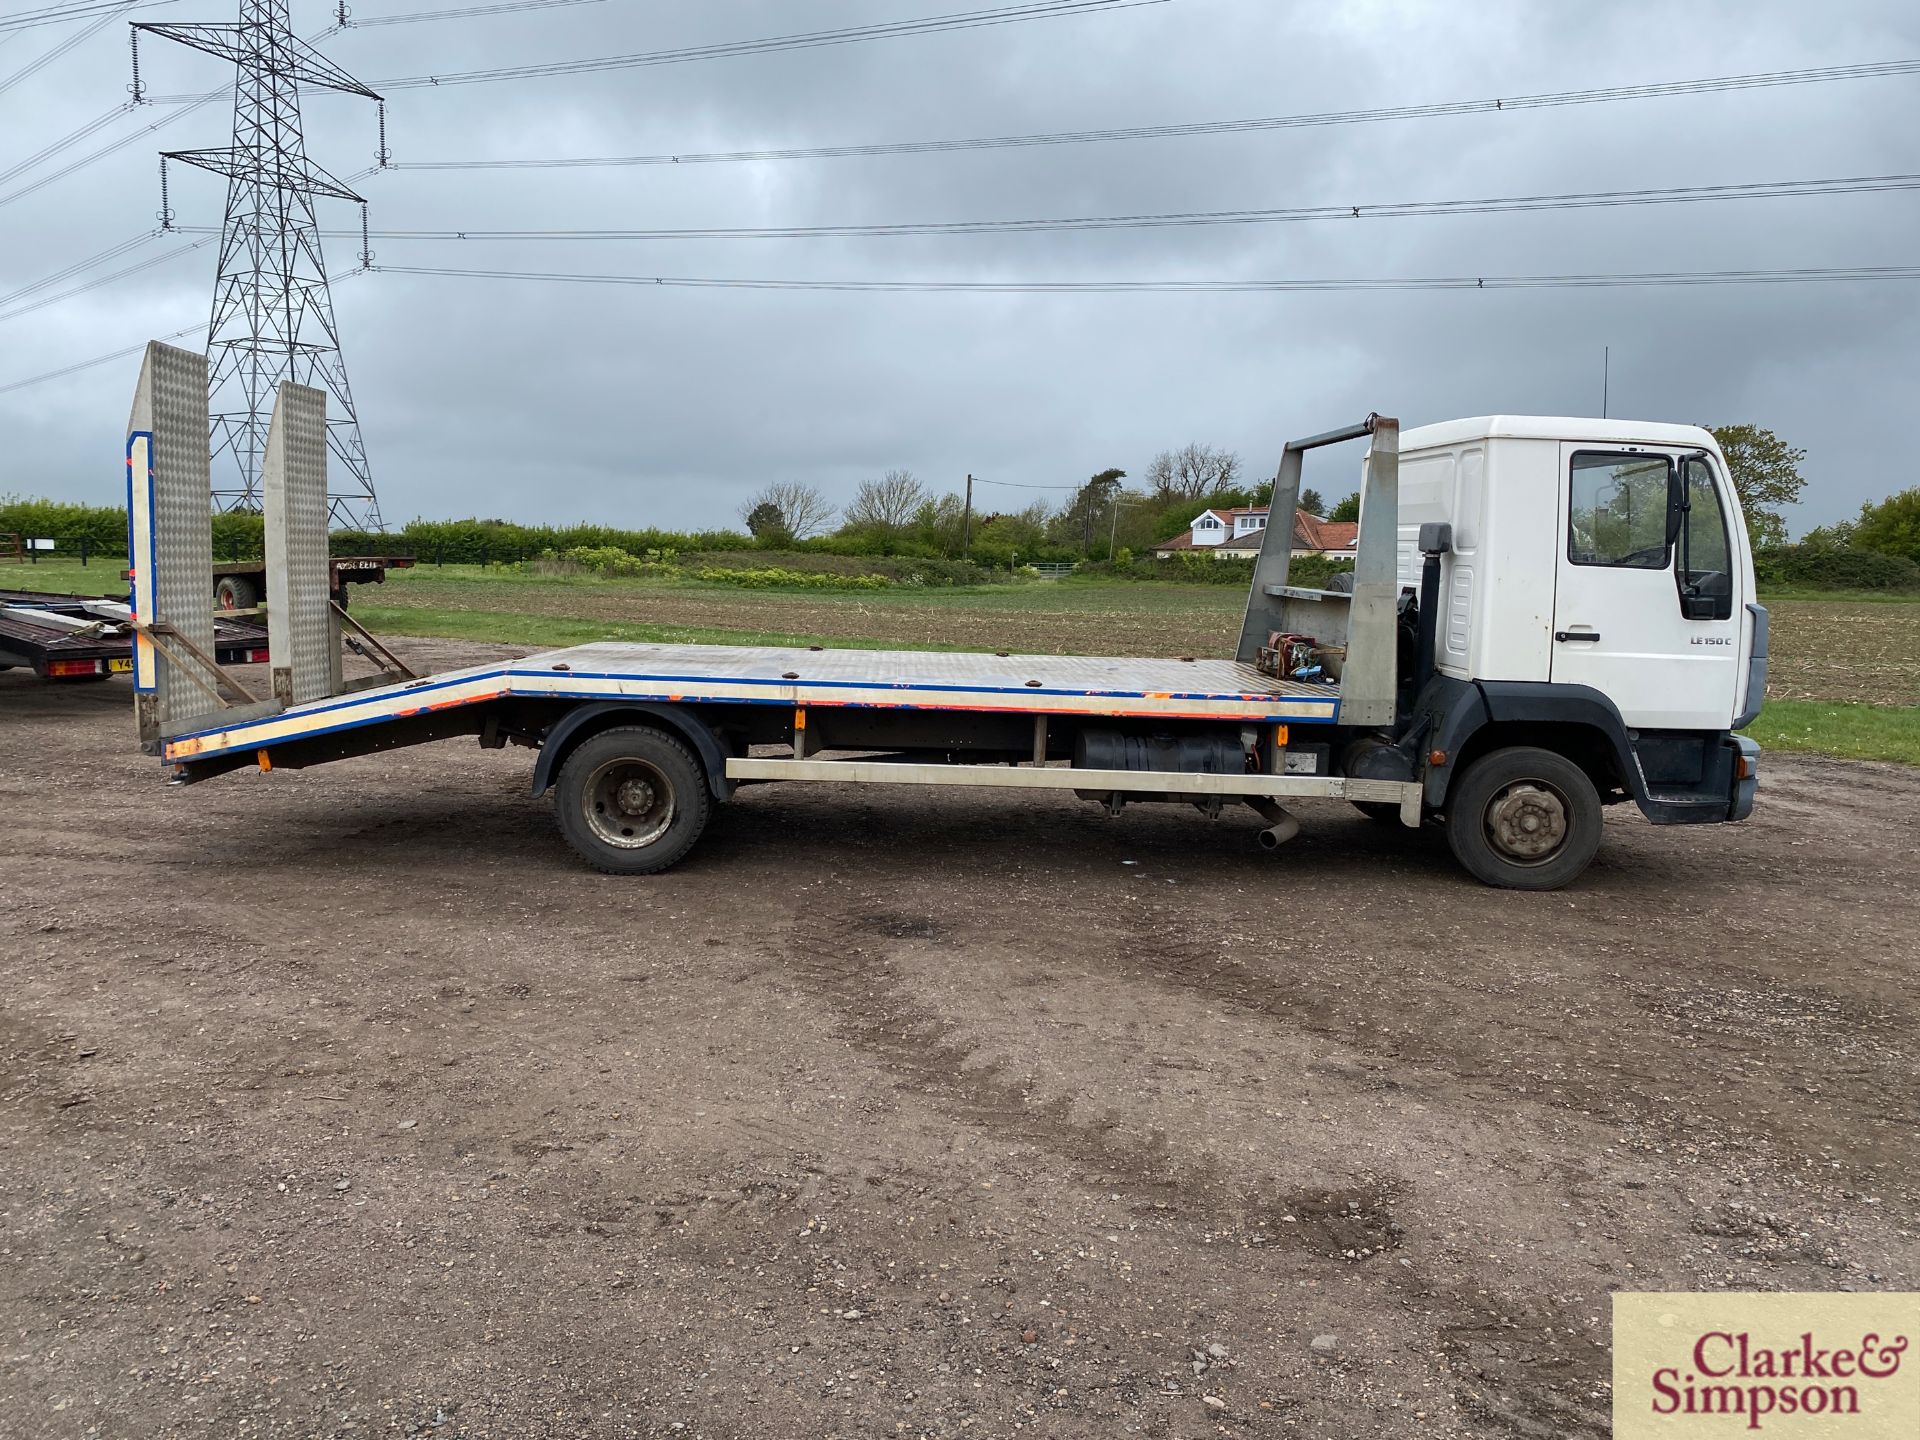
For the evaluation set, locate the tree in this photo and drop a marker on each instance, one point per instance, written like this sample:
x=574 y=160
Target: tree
x=1085 y=522
x=940 y=525
x=1192 y=472
x=999 y=537
x=1837 y=536
x=1347 y=509
x=1892 y=527
x=1311 y=502
x=766 y=523
x=797 y=511
x=885 y=507
x=1766 y=473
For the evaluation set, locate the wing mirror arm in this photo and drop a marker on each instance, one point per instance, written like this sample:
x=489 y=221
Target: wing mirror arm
x=1679 y=513
x=1679 y=502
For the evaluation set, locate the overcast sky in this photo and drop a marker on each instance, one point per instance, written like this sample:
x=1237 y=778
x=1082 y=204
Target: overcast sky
x=654 y=406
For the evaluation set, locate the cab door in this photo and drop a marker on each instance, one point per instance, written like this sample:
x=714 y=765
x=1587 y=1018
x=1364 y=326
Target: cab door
x=1646 y=589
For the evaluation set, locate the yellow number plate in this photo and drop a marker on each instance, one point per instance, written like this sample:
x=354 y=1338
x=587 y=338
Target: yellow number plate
x=120 y=667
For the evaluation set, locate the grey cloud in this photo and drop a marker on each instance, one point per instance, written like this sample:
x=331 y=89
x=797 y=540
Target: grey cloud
x=649 y=406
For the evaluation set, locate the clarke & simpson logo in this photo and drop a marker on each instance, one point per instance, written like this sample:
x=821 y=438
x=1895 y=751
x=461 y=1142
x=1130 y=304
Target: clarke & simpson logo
x=1792 y=1366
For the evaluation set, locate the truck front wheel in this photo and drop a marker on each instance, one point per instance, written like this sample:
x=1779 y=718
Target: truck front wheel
x=1524 y=819
x=632 y=800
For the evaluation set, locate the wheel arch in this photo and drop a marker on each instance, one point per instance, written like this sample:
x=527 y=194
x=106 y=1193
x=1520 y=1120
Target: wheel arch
x=587 y=720
x=1574 y=721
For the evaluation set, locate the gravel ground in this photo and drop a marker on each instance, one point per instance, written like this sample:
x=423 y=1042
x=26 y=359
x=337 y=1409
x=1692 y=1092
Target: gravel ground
x=347 y=1103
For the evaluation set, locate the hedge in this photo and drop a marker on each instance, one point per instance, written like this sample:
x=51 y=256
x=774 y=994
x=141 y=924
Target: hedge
x=774 y=578
x=1825 y=567
x=484 y=542
x=102 y=527
x=910 y=570
x=1308 y=571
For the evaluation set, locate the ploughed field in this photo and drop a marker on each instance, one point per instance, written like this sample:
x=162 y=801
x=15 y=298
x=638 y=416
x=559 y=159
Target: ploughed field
x=346 y=1102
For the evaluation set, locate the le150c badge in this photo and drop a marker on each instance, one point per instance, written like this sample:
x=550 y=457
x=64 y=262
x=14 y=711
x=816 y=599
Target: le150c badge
x=1713 y=640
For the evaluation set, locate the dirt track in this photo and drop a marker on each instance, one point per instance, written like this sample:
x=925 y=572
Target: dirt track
x=346 y=1103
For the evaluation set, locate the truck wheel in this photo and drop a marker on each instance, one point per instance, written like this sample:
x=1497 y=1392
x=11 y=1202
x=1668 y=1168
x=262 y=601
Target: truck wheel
x=235 y=592
x=1524 y=819
x=632 y=800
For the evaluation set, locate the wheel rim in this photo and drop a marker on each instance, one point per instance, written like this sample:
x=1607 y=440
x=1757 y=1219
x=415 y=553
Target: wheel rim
x=629 y=803
x=1526 y=822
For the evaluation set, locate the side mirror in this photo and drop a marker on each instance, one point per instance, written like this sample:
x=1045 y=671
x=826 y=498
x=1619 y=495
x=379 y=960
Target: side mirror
x=1677 y=503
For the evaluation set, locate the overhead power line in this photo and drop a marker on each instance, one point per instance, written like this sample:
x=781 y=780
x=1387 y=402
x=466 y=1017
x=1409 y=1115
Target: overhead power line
x=1832 y=274
x=1654 y=91
x=1404 y=209
x=465 y=12
x=111 y=253
x=1016 y=485
x=100 y=280
x=78 y=366
x=48 y=151
x=111 y=148
x=100 y=121
x=190 y=102
x=80 y=10
x=808 y=40
x=113 y=355
x=80 y=36
x=1811 y=275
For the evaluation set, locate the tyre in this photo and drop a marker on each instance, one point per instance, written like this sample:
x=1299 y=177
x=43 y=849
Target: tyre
x=1381 y=812
x=1524 y=819
x=235 y=592
x=632 y=800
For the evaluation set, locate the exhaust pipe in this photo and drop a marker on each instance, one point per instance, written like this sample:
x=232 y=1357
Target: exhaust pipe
x=1281 y=826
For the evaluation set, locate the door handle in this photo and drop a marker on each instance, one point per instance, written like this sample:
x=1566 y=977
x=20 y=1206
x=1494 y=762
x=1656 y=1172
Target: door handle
x=1564 y=635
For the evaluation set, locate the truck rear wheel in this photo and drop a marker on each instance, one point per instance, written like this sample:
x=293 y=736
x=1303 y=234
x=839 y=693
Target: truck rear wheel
x=632 y=800
x=1524 y=819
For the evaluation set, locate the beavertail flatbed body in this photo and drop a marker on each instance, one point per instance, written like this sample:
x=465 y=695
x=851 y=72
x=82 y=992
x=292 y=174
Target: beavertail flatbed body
x=1467 y=674
x=792 y=679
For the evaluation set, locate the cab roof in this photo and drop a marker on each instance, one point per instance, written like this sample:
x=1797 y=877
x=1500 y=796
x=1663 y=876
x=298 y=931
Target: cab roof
x=1554 y=427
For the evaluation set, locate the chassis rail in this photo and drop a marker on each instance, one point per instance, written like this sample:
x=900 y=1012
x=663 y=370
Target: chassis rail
x=1407 y=795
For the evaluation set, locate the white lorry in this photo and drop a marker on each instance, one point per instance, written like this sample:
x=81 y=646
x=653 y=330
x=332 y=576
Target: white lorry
x=1546 y=616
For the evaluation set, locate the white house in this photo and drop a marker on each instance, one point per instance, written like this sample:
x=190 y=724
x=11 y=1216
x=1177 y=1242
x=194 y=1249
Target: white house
x=1237 y=534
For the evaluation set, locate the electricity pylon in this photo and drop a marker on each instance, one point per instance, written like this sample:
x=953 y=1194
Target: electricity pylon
x=272 y=309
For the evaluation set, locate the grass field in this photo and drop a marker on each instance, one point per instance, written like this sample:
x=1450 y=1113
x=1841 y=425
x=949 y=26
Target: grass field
x=1851 y=732
x=1845 y=670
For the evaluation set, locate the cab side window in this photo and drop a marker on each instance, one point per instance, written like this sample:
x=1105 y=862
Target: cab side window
x=1705 y=572
x=1617 y=511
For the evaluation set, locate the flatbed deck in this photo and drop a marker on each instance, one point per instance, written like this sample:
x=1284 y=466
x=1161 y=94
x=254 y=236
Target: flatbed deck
x=1198 y=689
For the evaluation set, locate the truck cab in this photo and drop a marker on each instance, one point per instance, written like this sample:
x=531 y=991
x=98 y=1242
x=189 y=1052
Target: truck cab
x=1592 y=594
